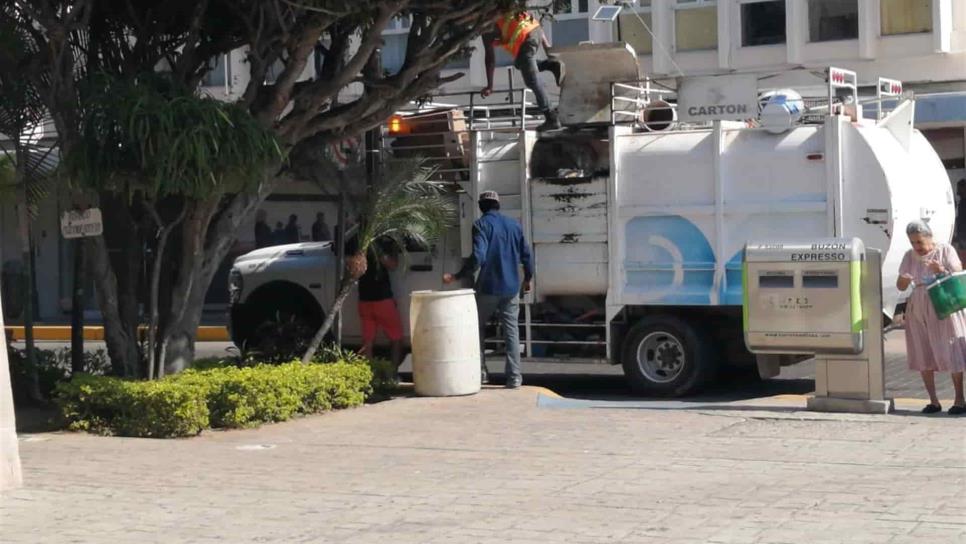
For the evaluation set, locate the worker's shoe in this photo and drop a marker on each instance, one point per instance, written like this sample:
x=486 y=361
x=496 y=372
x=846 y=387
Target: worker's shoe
x=484 y=375
x=551 y=122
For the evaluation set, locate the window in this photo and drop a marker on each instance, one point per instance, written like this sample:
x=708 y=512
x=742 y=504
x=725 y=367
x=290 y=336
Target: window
x=398 y=24
x=905 y=16
x=394 y=52
x=570 y=32
x=571 y=23
x=219 y=73
x=459 y=61
x=695 y=25
x=395 y=37
x=763 y=23
x=830 y=20
x=571 y=6
x=634 y=32
x=274 y=71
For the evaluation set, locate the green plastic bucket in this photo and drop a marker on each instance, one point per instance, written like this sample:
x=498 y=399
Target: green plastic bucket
x=948 y=294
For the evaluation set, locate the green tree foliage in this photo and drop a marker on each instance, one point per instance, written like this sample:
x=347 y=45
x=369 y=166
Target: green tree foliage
x=303 y=58
x=169 y=140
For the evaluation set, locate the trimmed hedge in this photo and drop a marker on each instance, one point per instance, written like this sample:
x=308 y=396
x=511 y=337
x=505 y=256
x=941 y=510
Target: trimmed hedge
x=184 y=404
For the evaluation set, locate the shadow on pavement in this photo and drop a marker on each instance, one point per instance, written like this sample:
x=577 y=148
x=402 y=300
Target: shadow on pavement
x=37 y=419
x=613 y=387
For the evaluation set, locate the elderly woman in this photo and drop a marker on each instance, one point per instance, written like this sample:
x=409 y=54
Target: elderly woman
x=932 y=344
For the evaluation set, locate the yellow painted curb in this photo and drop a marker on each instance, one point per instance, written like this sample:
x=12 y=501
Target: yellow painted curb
x=61 y=333
x=543 y=390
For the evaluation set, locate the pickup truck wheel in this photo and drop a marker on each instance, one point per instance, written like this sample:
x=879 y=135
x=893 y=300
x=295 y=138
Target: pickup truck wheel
x=666 y=356
x=282 y=337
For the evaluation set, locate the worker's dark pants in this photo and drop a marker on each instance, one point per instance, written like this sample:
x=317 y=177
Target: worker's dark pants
x=529 y=67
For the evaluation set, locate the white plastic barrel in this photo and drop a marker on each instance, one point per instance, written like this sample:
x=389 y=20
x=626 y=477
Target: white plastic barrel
x=446 y=343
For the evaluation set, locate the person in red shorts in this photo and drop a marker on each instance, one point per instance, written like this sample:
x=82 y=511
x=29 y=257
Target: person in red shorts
x=377 y=308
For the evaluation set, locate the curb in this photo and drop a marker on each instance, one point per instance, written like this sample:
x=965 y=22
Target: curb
x=58 y=333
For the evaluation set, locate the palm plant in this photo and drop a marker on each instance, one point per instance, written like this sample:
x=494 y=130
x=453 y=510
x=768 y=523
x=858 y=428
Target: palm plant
x=404 y=206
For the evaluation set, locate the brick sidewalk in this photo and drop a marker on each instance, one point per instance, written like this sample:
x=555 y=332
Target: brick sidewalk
x=495 y=468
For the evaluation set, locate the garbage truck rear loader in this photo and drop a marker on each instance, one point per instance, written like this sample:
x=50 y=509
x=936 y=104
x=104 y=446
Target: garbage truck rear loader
x=651 y=224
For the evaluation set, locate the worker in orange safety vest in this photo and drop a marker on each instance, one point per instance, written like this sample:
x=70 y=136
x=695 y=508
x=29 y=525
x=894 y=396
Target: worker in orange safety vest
x=520 y=34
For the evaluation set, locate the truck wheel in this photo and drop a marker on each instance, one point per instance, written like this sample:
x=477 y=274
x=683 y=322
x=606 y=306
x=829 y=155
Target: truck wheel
x=665 y=356
x=282 y=337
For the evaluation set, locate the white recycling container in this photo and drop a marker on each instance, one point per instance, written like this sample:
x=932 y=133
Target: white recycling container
x=446 y=343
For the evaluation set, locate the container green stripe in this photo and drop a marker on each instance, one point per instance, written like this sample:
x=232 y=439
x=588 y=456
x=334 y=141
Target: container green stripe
x=855 y=281
x=744 y=295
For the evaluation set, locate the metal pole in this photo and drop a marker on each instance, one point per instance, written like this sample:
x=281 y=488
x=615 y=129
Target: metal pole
x=340 y=252
x=472 y=110
x=509 y=78
x=373 y=155
x=77 y=311
x=28 y=259
x=523 y=109
x=828 y=74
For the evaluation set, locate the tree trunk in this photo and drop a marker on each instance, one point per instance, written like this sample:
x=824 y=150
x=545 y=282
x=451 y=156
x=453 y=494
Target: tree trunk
x=207 y=235
x=129 y=286
x=156 y=285
x=178 y=339
x=347 y=284
x=121 y=344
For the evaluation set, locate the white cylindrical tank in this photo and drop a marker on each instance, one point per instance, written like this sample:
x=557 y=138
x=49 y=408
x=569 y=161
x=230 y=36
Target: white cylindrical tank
x=686 y=202
x=780 y=110
x=446 y=343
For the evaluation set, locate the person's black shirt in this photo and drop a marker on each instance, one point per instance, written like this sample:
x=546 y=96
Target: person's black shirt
x=320 y=232
x=374 y=285
x=292 y=233
x=263 y=235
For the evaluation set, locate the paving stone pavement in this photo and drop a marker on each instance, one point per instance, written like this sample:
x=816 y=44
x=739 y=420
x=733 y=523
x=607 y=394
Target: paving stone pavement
x=494 y=467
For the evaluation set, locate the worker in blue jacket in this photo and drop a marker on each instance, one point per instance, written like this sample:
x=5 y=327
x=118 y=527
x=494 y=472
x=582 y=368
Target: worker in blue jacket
x=499 y=248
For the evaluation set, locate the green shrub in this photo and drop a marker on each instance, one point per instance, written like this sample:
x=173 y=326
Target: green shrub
x=50 y=368
x=186 y=403
x=384 y=377
x=106 y=405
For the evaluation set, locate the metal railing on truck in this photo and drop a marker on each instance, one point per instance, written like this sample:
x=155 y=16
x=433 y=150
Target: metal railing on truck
x=436 y=129
x=651 y=105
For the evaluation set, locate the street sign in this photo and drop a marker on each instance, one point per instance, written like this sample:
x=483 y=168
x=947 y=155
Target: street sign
x=81 y=223
x=344 y=151
x=725 y=98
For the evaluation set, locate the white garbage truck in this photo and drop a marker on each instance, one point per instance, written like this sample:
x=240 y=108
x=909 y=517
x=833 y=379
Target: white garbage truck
x=638 y=211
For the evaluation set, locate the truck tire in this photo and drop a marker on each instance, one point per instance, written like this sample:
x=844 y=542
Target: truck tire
x=276 y=322
x=283 y=337
x=668 y=357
